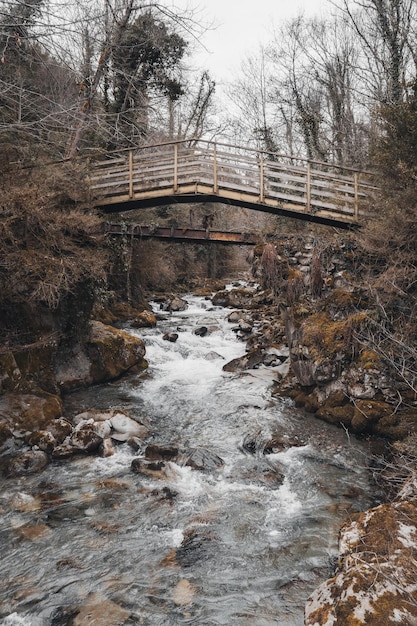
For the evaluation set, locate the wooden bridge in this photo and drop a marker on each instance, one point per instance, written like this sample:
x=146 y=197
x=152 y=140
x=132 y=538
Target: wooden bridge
x=203 y=171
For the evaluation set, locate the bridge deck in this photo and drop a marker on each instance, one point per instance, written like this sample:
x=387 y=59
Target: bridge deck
x=205 y=171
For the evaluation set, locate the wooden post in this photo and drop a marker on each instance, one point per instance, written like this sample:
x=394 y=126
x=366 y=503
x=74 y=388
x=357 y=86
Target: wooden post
x=175 y=167
x=130 y=173
x=308 y=189
x=261 y=179
x=356 y=197
x=215 y=180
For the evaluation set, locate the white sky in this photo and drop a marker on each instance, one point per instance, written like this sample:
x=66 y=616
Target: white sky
x=240 y=27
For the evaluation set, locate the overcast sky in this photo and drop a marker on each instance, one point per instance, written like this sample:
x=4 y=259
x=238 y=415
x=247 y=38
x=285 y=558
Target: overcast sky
x=240 y=26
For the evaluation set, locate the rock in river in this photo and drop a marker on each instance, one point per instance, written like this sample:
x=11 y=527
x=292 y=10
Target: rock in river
x=125 y=427
x=203 y=459
x=27 y=463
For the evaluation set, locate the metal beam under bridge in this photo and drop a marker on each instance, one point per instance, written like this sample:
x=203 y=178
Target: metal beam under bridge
x=182 y=234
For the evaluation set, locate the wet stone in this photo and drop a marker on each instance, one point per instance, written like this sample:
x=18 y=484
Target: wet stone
x=279 y=444
x=44 y=440
x=60 y=428
x=177 y=304
x=100 y=611
x=27 y=463
x=106 y=448
x=248 y=361
x=234 y=317
x=125 y=427
x=195 y=547
x=204 y=460
x=159 y=452
x=153 y=469
x=213 y=356
x=171 y=337
x=64 y=451
x=136 y=444
x=201 y=331
x=86 y=439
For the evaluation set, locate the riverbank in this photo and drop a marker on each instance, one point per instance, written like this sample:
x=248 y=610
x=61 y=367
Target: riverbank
x=309 y=325
x=226 y=510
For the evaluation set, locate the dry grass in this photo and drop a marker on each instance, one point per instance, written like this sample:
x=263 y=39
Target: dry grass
x=48 y=244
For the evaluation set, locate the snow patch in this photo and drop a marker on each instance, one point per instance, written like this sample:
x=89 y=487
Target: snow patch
x=407 y=535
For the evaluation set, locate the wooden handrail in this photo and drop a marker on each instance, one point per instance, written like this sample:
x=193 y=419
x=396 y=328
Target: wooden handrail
x=209 y=142
x=208 y=171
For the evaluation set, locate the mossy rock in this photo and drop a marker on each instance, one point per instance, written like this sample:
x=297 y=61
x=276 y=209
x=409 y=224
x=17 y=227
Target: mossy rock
x=146 y=319
x=29 y=412
x=396 y=426
x=367 y=413
x=113 y=352
x=336 y=414
x=336 y=399
x=326 y=338
x=36 y=367
x=341 y=299
x=376 y=548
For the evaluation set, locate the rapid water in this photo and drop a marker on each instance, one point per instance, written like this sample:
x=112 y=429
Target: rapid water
x=243 y=545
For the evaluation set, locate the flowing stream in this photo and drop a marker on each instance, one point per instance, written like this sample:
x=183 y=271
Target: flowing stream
x=243 y=544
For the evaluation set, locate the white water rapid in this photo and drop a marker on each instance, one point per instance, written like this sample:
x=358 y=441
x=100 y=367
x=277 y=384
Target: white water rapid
x=243 y=544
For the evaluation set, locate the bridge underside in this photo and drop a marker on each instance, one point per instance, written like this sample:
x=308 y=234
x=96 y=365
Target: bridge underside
x=319 y=216
x=197 y=235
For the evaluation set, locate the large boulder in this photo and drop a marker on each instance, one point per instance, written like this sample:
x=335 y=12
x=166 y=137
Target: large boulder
x=376 y=584
x=246 y=362
x=236 y=298
x=113 y=352
x=29 y=412
x=108 y=353
x=145 y=319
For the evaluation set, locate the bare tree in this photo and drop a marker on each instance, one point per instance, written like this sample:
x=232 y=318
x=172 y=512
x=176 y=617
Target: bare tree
x=387 y=32
x=252 y=114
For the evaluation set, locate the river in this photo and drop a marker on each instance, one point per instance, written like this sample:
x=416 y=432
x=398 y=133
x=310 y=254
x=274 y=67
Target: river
x=242 y=544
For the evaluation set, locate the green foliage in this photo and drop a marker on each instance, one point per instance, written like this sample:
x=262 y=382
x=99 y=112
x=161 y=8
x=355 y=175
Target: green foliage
x=147 y=58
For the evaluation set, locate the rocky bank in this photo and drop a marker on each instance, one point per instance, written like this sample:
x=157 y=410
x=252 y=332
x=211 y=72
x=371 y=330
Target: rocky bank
x=313 y=307
x=33 y=426
x=308 y=315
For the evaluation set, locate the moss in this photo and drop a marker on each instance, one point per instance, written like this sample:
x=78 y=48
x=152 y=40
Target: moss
x=341 y=299
x=30 y=412
x=337 y=414
x=337 y=399
x=326 y=338
x=369 y=359
x=295 y=274
x=113 y=352
x=35 y=365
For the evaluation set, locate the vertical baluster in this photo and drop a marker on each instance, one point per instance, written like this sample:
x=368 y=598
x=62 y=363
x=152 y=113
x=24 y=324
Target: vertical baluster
x=261 y=178
x=308 y=189
x=130 y=173
x=356 y=197
x=215 y=180
x=175 y=167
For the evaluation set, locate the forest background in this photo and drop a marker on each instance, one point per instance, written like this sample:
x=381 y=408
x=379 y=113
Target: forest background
x=78 y=80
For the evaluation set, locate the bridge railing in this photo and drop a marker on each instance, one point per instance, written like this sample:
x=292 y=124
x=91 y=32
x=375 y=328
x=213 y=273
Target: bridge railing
x=231 y=172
